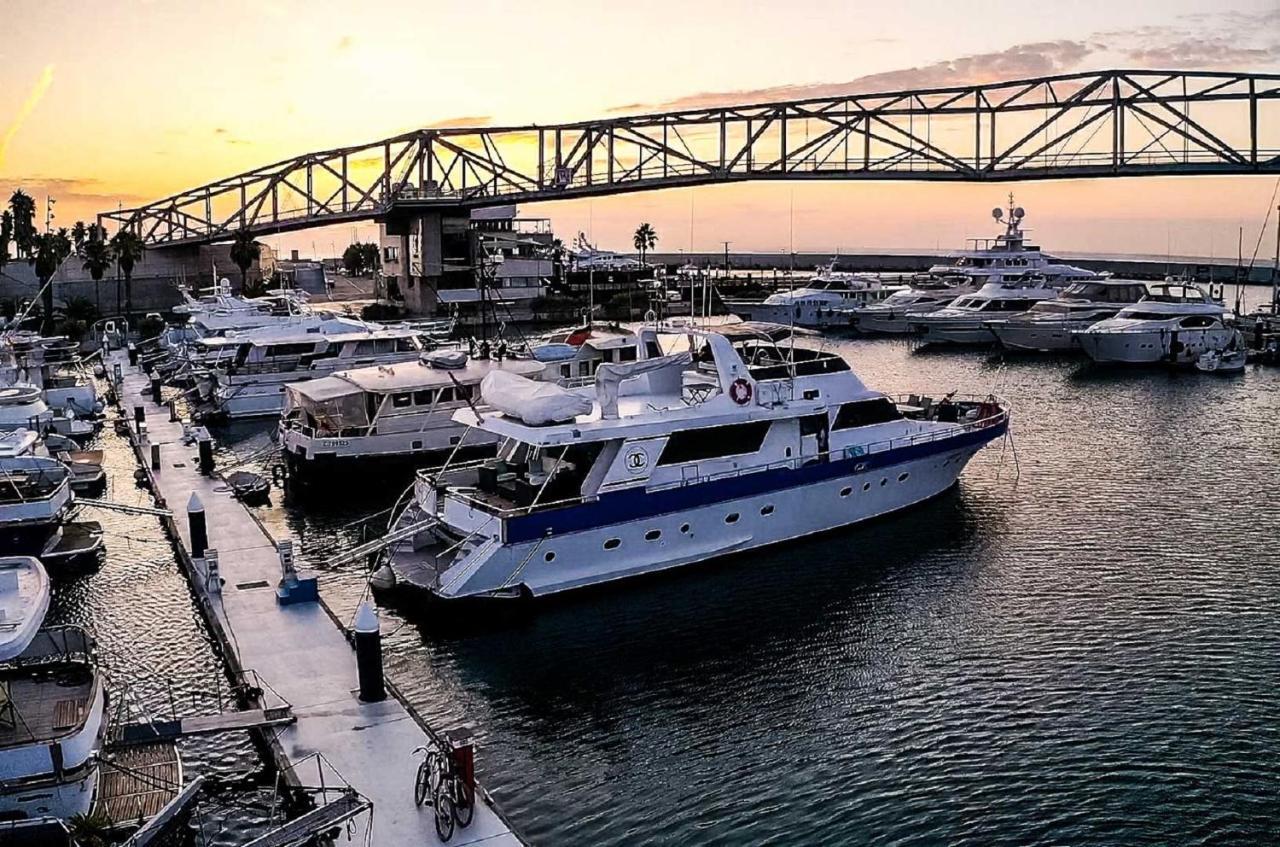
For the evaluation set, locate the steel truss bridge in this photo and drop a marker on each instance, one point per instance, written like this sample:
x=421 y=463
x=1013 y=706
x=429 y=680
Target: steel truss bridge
x=1105 y=124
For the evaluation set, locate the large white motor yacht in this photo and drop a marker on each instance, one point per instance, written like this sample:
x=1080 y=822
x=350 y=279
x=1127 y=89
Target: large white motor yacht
x=817 y=302
x=738 y=439
x=1051 y=325
x=1008 y=256
x=890 y=315
x=247 y=373
x=52 y=703
x=964 y=320
x=1177 y=322
x=374 y=420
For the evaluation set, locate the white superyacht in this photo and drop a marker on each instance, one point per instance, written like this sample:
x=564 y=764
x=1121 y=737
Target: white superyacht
x=1051 y=325
x=1177 y=323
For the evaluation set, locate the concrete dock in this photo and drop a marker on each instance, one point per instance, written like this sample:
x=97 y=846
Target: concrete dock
x=299 y=650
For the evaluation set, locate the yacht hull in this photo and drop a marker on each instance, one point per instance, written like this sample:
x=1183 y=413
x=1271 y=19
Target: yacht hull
x=840 y=494
x=1183 y=347
x=1055 y=338
x=967 y=332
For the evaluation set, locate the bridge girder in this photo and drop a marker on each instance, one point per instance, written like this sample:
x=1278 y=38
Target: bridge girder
x=1088 y=125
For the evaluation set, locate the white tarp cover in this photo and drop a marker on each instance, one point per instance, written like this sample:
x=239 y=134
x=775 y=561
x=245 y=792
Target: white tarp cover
x=534 y=403
x=665 y=375
x=328 y=403
x=447 y=359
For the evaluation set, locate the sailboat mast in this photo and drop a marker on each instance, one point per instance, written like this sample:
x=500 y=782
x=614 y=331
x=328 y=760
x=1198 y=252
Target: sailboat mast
x=1275 y=271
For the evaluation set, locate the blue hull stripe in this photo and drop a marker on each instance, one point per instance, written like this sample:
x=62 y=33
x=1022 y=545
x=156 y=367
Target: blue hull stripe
x=635 y=504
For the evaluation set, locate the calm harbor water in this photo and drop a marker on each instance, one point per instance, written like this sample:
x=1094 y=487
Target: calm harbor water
x=1079 y=646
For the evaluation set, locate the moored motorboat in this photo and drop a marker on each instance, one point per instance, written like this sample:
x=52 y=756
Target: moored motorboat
x=816 y=303
x=964 y=321
x=1175 y=323
x=1229 y=360
x=741 y=439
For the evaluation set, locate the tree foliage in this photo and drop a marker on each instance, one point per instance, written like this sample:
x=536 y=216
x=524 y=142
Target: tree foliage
x=361 y=258
x=244 y=252
x=128 y=249
x=644 y=240
x=23 y=208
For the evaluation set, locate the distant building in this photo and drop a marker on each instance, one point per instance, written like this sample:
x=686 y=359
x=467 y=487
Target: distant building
x=515 y=251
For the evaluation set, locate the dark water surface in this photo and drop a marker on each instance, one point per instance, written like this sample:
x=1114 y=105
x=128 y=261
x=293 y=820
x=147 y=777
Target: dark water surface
x=1082 y=646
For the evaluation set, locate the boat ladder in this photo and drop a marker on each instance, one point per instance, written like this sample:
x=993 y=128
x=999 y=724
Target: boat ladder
x=379 y=544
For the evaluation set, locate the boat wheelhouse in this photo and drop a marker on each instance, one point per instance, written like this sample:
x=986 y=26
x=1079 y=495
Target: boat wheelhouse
x=1176 y=322
x=735 y=439
x=1051 y=325
x=247 y=374
x=963 y=321
x=372 y=419
x=817 y=302
x=35 y=494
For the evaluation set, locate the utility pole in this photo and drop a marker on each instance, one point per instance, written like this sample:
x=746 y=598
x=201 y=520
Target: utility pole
x=726 y=257
x=48 y=213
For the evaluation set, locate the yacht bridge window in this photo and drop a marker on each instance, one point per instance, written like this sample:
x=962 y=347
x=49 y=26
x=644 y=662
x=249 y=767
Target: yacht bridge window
x=866 y=413
x=694 y=445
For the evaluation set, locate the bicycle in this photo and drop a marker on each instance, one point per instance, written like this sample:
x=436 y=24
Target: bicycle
x=439 y=782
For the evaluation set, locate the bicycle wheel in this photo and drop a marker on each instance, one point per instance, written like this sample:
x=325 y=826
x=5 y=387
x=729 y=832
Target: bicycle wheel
x=463 y=808
x=445 y=811
x=420 y=787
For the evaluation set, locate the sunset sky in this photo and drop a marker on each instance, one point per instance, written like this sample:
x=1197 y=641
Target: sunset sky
x=125 y=101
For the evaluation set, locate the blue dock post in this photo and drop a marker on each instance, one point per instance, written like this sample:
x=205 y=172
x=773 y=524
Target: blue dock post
x=196 y=523
x=369 y=654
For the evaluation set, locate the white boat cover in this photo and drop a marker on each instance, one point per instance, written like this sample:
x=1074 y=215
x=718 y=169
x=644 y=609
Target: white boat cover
x=665 y=374
x=24 y=601
x=534 y=403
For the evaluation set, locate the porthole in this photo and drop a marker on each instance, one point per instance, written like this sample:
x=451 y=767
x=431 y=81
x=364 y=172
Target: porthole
x=846 y=491
x=766 y=510
x=884 y=480
x=684 y=529
x=612 y=543
x=550 y=556
x=903 y=477
x=866 y=486
x=732 y=517
x=653 y=535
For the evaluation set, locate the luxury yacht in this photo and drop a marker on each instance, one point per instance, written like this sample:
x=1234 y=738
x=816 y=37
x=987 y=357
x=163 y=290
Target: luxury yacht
x=52 y=703
x=1051 y=325
x=372 y=420
x=736 y=440
x=890 y=315
x=1177 y=322
x=1008 y=256
x=964 y=320
x=817 y=302
x=246 y=374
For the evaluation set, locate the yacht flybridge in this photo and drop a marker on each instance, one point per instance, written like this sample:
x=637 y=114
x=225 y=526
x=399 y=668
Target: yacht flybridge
x=1008 y=256
x=816 y=303
x=736 y=439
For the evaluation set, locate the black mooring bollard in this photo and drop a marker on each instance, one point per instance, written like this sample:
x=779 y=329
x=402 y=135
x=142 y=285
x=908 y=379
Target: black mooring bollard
x=173 y=411
x=196 y=523
x=133 y=355
x=205 y=445
x=139 y=415
x=369 y=655
x=155 y=390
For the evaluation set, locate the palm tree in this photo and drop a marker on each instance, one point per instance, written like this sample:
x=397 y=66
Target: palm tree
x=128 y=248
x=79 y=234
x=47 y=258
x=6 y=235
x=24 y=222
x=97 y=260
x=644 y=240
x=244 y=252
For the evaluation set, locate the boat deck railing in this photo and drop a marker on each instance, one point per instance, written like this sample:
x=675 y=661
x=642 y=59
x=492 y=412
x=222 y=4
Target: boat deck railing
x=987 y=411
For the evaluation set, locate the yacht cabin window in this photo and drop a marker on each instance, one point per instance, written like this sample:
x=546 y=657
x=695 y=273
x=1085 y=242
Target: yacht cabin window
x=866 y=413
x=695 y=445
